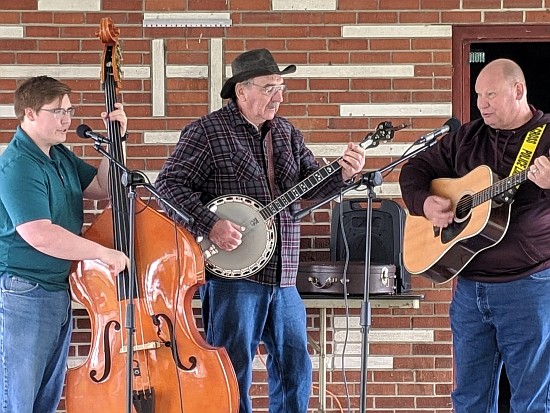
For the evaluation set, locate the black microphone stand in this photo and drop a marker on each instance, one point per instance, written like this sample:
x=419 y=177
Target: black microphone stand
x=133 y=180
x=370 y=180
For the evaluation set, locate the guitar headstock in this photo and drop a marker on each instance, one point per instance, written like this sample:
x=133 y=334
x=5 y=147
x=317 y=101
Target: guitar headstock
x=383 y=132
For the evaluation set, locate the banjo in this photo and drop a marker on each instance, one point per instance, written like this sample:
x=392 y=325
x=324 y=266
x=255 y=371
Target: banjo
x=259 y=237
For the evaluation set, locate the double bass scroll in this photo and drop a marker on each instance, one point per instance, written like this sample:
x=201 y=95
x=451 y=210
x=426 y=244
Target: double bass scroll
x=173 y=369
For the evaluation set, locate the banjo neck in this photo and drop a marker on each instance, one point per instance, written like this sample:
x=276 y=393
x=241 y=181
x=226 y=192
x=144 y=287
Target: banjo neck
x=384 y=131
x=296 y=192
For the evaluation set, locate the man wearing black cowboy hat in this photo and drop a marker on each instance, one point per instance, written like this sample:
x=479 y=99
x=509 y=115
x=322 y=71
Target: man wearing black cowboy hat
x=226 y=152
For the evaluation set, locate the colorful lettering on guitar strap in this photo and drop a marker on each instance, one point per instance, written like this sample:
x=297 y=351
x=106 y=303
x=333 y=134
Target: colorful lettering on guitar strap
x=527 y=149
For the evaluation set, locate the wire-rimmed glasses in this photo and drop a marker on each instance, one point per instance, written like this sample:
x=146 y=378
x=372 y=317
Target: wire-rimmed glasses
x=59 y=113
x=269 y=90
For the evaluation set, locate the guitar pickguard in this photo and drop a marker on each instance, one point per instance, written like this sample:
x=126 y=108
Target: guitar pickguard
x=450 y=233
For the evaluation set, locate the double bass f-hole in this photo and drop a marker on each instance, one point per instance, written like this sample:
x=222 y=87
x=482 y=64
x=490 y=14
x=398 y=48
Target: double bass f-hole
x=172 y=343
x=107 y=352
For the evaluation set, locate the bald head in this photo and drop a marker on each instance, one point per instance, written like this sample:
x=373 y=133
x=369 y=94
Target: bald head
x=509 y=69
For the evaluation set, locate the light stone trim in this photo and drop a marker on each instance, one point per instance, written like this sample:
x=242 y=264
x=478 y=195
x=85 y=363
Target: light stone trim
x=386 y=149
x=158 y=79
x=354 y=335
x=258 y=364
x=333 y=362
x=349 y=349
x=373 y=362
x=215 y=56
x=380 y=335
x=151 y=175
x=347 y=71
x=353 y=71
x=398 y=31
x=187 y=20
x=11 y=31
x=386 y=190
x=198 y=72
x=303 y=5
x=161 y=137
x=401 y=336
x=7 y=111
x=75 y=361
x=320 y=150
x=69 y=71
x=69 y=5
x=397 y=110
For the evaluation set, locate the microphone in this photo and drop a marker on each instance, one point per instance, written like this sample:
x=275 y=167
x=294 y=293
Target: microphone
x=451 y=125
x=85 y=132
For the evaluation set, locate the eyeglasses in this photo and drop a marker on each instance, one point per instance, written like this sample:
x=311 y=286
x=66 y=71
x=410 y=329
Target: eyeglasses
x=59 y=113
x=270 y=90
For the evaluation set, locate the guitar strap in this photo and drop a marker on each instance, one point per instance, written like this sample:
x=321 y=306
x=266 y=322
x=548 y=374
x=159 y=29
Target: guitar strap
x=270 y=168
x=525 y=155
x=523 y=160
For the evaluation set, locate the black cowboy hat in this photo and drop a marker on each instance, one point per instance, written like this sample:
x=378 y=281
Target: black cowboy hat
x=257 y=62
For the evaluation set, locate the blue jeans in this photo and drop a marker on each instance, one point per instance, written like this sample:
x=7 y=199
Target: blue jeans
x=35 y=332
x=496 y=323
x=238 y=314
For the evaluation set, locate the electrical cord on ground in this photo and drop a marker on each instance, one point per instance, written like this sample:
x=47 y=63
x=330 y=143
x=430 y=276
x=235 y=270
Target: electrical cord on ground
x=345 y=292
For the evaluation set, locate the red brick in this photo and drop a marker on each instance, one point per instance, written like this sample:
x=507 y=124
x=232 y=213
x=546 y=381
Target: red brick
x=210 y=5
x=10 y=18
x=358 y=5
x=481 y=4
x=20 y=5
x=439 y=4
x=163 y=5
x=504 y=17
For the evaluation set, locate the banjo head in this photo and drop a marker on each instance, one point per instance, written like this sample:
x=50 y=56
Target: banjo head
x=258 y=241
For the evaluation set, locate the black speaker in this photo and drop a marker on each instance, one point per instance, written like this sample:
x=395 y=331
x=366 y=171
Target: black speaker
x=388 y=220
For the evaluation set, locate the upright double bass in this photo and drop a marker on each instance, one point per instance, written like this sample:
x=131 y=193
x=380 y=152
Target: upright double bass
x=173 y=370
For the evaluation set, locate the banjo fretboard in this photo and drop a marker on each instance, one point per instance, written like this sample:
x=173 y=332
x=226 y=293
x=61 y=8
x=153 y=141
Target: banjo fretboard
x=384 y=131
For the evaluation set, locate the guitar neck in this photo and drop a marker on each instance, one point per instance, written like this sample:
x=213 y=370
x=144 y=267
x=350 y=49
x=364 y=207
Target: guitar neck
x=302 y=188
x=499 y=187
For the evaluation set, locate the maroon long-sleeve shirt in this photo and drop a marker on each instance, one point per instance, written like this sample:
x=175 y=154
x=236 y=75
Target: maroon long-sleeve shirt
x=525 y=247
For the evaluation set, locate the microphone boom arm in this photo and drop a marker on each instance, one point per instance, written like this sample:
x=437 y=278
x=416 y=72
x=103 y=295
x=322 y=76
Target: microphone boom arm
x=371 y=179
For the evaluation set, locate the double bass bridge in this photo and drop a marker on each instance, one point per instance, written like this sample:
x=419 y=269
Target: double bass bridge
x=153 y=345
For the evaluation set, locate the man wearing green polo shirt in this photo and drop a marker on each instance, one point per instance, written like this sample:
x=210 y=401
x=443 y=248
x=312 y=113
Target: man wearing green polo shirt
x=42 y=186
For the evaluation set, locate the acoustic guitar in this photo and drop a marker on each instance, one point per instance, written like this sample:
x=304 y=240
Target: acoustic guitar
x=482 y=214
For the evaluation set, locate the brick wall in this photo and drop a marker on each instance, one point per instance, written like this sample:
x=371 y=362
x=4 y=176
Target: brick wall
x=359 y=62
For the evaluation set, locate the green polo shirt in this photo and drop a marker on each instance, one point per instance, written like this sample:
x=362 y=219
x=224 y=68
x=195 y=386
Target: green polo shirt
x=34 y=186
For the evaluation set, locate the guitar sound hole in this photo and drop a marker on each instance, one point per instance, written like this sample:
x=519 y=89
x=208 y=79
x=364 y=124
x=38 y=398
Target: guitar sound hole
x=463 y=207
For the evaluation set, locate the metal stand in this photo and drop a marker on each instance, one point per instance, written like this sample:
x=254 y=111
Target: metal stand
x=370 y=180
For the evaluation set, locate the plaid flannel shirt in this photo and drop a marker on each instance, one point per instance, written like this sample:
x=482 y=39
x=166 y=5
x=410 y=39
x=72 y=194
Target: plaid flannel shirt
x=221 y=154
